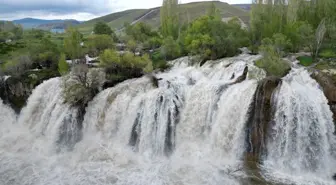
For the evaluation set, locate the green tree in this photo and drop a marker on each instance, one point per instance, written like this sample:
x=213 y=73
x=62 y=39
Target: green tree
x=72 y=44
x=170 y=48
x=63 y=66
x=210 y=38
x=44 y=52
x=98 y=43
x=169 y=14
x=102 y=28
x=109 y=58
x=131 y=45
x=272 y=56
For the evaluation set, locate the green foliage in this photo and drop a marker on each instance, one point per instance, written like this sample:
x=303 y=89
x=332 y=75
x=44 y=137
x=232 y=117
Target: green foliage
x=170 y=23
x=44 y=52
x=273 y=65
x=273 y=50
x=140 y=32
x=81 y=85
x=131 y=45
x=211 y=38
x=17 y=66
x=72 y=45
x=305 y=60
x=327 y=53
x=63 y=66
x=110 y=59
x=278 y=45
x=98 y=43
x=170 y=49
x=102 y=28
x=305 y=23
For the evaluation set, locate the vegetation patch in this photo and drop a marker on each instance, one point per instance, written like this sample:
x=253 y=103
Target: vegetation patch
x=327 y=53
x=305 y=60
x=274 y=67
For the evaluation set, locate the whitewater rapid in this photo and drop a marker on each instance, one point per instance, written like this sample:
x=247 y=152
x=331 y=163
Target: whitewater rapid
x=190 y=130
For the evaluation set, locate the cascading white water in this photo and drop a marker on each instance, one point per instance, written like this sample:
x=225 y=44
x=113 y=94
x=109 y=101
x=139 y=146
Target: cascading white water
x=190 y=130
x=46 y=115
x=7 y=117
x=302 y=145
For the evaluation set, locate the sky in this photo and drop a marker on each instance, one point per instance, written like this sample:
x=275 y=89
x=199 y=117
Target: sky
x=76 y=9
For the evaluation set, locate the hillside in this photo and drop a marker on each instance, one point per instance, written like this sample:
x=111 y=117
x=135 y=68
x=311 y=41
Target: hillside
x=243 y=6
x=29 y=23
x=188 y=11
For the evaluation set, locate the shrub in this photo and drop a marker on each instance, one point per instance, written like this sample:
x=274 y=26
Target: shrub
x=274 y=66
x=82 y=84
x=111 y=60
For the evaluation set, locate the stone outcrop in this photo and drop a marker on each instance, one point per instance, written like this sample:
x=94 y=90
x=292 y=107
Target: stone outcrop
x=15 y=91
x=329 y=88
x=260 y=119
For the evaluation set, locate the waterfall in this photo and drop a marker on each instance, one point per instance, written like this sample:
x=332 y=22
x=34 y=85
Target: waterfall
x=7 y=118
x=47 y=115
x=302 y=144
x=186 y=128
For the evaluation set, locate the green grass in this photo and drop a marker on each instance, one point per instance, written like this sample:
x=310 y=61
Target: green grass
x=305 y=60
x=188 y=12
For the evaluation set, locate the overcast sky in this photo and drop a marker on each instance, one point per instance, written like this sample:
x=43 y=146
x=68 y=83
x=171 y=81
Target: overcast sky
x=76 y=9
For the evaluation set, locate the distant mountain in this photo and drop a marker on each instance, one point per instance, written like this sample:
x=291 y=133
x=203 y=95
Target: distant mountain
x=28 y=23
x=189 y=12
x=243 y=6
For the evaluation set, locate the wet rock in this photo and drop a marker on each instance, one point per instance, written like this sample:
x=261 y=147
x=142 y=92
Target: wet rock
x=328 y=86
x=259 y=120
x=334 y=177
x=15 y=91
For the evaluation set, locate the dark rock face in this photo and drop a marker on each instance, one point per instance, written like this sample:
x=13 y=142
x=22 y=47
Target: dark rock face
x=260 y=119
x=15 y=91
x=329 y=89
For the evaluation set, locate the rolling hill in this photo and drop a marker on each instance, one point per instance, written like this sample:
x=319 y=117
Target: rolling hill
x=28 y=23
x=188 y=12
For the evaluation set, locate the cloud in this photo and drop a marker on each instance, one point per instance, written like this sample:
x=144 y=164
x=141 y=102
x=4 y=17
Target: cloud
x=11 y=9
x=74 y=9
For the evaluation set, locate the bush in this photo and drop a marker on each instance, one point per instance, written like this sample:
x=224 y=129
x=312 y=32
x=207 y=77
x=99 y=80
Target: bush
x=111 y=60
x=18 y=65
x=81 y=85
x=272 y=62
x=274 y=66
x=170 y=49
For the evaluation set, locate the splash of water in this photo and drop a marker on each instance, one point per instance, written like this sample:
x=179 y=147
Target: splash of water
x=189 y=130
x=302 y=140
